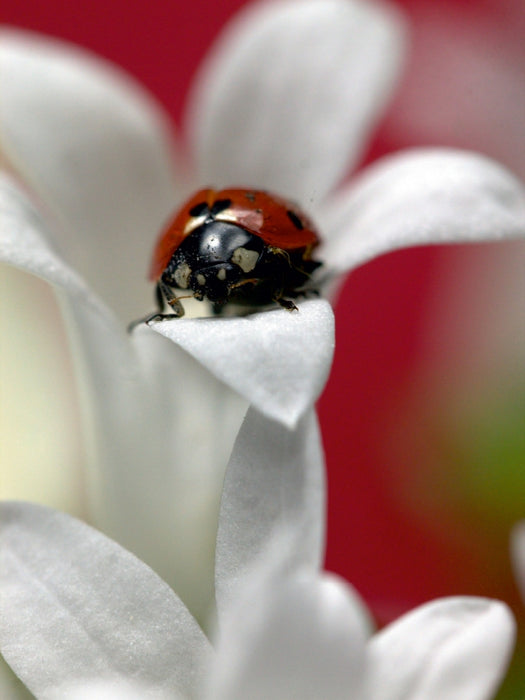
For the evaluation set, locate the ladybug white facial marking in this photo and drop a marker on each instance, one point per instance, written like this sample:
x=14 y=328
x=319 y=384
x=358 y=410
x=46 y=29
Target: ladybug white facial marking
x=182 y=275
x=245 y=259
x=221 y=274
x=201 y=280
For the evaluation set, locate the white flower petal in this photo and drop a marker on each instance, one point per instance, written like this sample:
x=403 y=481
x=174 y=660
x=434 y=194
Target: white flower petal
x=444 y=650
x=517 y=551
x=39 y=417
x=76 y=607
x=274 y=483
x=110 y=368
x=173 y=469
x=146 y=406
x=303 y=638
x=277 y=360
x=95 y=689
x=291 y=92
x=162 y=430
x=420 y=197
x=26 y=243
x=95 y=148
x=11 y=687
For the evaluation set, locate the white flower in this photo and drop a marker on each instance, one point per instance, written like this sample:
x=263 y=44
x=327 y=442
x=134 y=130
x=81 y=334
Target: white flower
x=83 y=618
x=286 y=101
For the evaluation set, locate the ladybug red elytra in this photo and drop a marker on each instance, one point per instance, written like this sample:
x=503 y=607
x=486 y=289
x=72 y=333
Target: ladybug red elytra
x=236 y=246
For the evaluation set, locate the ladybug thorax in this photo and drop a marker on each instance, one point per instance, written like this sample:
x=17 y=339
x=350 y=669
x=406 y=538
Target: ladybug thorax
x=215 y=259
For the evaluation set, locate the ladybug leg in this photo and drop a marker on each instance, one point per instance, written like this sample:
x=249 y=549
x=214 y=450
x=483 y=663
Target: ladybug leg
x=217 y=308
x=162 y=292
x=159 y=297
x=146 y=319
x=286 y=304
x=178 y=308
x=241 y=283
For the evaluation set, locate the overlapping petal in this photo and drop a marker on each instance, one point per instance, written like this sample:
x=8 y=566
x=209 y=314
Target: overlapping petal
x=81 y=617
x=277 y=360
x=97 y=150
x=449 y=648
x=26 y=242
x=79 y=612
x=291 y=92
x=146 y=408
x=274 y=484
x=419 y=197
x=300 y=637
x=10 y=685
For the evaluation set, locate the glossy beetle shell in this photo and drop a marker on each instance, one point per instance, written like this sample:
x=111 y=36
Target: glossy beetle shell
x=277 y=222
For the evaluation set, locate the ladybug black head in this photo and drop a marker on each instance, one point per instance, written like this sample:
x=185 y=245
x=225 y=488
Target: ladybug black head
x=214 y=282
x=213 y=260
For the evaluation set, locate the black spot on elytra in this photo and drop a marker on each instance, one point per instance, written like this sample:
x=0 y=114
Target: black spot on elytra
x=199 y=209
x=296 y=221
x=220 y=205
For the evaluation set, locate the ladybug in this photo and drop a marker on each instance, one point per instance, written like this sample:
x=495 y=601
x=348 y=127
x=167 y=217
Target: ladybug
x=234 y=246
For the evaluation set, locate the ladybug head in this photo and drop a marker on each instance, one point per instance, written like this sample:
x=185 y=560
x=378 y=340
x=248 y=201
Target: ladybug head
x=214 y=281
x=214 y=260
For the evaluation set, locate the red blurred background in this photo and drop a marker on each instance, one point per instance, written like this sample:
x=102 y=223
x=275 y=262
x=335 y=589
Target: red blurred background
x=423 y=437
